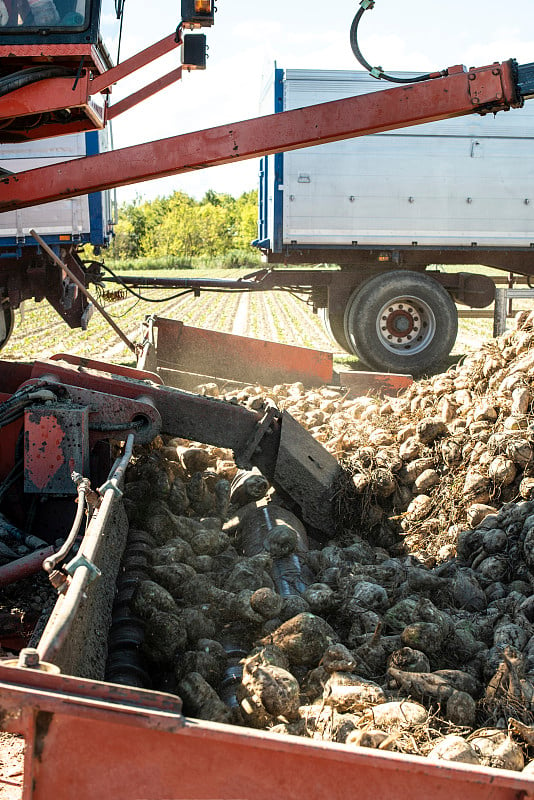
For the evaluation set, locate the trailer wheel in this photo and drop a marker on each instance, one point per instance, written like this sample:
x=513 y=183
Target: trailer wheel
x=7 y=322
x=335 y=327
x=401 y=322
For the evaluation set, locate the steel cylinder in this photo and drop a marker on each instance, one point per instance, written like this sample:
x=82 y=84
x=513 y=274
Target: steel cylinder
x=273 y=529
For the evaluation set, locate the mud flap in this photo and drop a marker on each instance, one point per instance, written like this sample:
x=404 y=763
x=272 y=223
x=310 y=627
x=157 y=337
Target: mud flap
x=307 y=472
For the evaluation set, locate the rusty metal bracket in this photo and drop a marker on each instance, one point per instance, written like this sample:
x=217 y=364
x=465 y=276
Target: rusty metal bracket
x=263 y=428
x=485 y=86
x=111 y=414
x=81 y=561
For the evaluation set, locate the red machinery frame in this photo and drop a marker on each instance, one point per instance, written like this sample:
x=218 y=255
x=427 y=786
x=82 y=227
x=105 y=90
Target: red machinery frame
x=79 y=94
x=87 y=739
x=485 y=89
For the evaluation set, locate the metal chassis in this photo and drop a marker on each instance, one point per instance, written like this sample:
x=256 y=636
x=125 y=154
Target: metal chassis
x=519 y=260
x=28 y=273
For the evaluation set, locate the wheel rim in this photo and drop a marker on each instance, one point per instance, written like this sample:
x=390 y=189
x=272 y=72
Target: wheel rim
x=405 y=325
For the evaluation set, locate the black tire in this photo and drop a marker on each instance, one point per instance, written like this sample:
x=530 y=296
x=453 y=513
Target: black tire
x=334 y=324
x=401 y=322
x=7 y=322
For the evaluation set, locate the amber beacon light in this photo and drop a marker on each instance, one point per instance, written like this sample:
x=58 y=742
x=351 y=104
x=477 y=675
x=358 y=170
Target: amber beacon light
x=198 y=13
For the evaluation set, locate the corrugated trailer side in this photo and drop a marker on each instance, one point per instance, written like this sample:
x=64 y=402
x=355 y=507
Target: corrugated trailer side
x=464 y=182
x=85 y=219
x=386 y=208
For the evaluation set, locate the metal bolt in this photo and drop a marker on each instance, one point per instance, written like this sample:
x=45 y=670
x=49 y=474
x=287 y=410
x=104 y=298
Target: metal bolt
x=28 y=657
x=476 y=100
x=469 y=199
x=527 y=201
x=472 y=76
x=411 y=199
x=496 y=71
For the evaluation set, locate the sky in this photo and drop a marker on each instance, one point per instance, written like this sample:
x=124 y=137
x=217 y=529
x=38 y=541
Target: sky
x=248 y=37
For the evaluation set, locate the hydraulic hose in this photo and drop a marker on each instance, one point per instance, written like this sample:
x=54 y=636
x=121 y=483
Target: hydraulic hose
x=378 y=72
x=25 y=77
x=84 y=570
x=83 y=486
x=13 y=408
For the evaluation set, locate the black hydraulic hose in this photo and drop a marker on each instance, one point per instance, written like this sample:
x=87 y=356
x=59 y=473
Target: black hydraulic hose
x=25 y=77
x=26 y=396
x=378 y=72
x=138 y=295
x=13 y=408
x=11 y=478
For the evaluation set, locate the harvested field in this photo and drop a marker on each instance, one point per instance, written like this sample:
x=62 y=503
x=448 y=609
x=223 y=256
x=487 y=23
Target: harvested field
x=11 y=766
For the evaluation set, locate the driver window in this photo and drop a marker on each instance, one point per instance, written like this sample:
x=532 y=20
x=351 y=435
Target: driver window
x=43 y=13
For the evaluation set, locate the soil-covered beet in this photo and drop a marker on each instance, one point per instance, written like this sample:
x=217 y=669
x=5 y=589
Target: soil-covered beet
x=415 y=632
x=412 y=630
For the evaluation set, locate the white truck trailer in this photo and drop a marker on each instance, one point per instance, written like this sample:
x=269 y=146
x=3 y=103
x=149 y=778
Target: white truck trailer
x=65 y=225
x=392 y=210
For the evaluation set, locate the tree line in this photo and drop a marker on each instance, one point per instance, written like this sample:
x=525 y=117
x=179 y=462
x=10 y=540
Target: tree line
x=181 y=227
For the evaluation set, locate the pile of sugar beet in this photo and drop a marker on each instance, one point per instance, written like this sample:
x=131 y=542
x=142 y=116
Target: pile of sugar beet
x=413 y=630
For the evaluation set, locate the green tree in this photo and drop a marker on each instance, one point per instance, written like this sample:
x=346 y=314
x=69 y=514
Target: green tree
x=181 y=227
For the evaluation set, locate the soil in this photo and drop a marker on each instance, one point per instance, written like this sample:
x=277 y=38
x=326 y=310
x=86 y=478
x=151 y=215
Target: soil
x=11 y=766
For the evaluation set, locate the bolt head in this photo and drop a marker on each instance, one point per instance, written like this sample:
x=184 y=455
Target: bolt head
x=28 y=657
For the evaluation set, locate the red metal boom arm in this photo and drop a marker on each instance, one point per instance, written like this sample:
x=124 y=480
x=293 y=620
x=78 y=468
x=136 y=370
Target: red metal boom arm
x=460 y=92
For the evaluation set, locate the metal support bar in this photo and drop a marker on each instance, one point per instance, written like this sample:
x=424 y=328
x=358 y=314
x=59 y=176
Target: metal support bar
x=23 y=567
x=499 y=313
x=147 y=91
x=136 y=62
x=84 y=290
x=502 y=310
x=289 y=130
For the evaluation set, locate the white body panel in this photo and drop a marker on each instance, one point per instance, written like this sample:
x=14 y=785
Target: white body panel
x=445 y=184
x=64 y=217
